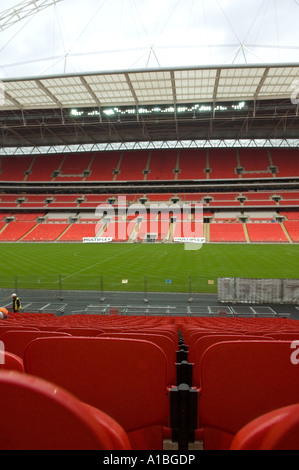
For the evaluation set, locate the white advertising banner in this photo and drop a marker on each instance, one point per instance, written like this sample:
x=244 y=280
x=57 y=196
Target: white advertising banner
x=97 y=239
x=189 y=240
x=291 y=291
x=258 y=291
x=226 y=289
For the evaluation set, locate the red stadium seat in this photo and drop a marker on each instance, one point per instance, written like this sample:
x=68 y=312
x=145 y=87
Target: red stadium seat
x=286 y=160
x=80 y=331
x=292 y=227
x=283 y=336
x=166 y=344
x=15 y=341
x=255 y=162
x=14 y=325
x=276 y=430
x=14 y=231
x=202 y=344
x=77 y=232
x=103 y=165
x=228 y=232
x=10 y=361
x=223 y=163
x=38 y=415
x=162 y=165
x=125 y=378
x=132 y=166
x=266 y=232
x=192 y=164
x=46 y=232
x=240 y=381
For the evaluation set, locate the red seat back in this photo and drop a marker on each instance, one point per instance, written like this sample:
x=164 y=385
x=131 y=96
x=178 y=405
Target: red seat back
x=284 y=336
x=276 y=430
x=241 y=380
x=38 y=415
x=12 y=326
x=80 y=331
x=193 y=337
x=203 y=343
x=165 y=343
x=15 y=341
x=10 y=361
x=123 y=377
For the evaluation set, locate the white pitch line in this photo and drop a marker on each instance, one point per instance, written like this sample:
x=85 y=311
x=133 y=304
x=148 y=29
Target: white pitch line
x=93 y=265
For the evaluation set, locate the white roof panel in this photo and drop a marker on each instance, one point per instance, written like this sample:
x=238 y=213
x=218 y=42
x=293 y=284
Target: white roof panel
x=195 y=85
x=143 y=87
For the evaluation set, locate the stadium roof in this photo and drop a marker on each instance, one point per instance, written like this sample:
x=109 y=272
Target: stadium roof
x=158 y=86
x=225 y=102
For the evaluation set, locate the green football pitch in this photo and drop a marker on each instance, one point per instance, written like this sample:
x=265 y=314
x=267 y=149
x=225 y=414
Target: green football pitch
x=136 y=267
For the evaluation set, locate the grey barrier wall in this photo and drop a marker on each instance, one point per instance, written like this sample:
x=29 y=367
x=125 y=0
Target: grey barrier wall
x=258 y=291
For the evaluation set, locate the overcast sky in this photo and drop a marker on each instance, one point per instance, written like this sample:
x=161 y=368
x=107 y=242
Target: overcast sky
x=76 y=36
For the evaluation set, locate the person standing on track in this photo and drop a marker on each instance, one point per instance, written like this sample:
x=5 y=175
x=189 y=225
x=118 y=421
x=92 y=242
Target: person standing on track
x=16 y=303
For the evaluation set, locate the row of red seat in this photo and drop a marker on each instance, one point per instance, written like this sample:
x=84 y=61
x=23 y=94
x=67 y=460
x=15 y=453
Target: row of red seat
x=244 y=371
x=212 y=200
x=55 y=200
x=121 y=231
x=152 y=165
x=241 y=369
x=257 y=232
